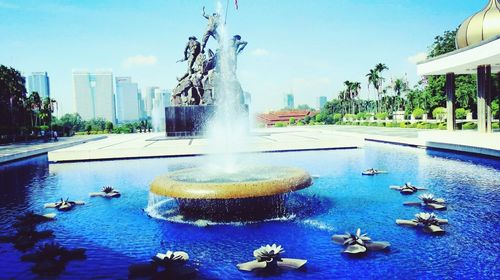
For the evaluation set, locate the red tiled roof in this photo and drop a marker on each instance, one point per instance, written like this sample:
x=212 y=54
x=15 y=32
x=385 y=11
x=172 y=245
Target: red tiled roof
x=271 y=118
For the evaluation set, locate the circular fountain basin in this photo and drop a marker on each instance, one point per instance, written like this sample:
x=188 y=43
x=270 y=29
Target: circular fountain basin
x=246 y=182
x=249 y=193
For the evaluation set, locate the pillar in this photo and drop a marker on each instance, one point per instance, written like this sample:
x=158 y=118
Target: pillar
x=450 y=101
x=484 y=98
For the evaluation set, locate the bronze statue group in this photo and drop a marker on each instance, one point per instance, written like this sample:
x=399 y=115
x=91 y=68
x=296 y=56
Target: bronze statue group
x=197 y=85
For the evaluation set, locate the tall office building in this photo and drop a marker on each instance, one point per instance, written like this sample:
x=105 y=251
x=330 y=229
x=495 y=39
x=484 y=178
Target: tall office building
x=39 y=82
x=289 y=101
x=127 y=100
x=321 y=102
x=148 y=95
x=93 y=95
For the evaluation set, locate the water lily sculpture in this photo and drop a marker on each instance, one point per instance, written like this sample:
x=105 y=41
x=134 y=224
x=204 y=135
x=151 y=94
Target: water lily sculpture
x=107 y=191
x=428 y=221
x=171 y=258
x=269 y=257
x=407 y=188
x=359 y=243
x=51 y=258
x=31 y=219
x=372 y=171
x=64 y=205
x=428 y=200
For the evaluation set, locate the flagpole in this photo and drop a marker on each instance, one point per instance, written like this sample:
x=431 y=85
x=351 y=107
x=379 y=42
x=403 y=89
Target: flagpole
x=227 y=8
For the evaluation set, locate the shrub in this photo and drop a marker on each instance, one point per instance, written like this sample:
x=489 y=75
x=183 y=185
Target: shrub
x=402 y=125
x=365 y=123
x=337 y=117
x=461 y=113
x=381 y=124
x=361 y=116
x=350 y=116
x=413 y=125
x=381 y=116
x=469 y=125
x=423 y=125
x=418 y=113
x=439 y=113
x=373 y=124
x=279 y=124
x=292 y=120
x=300 y=123
x=495 y=125
x=320 y=117
x=442 y=126
x=391 y=124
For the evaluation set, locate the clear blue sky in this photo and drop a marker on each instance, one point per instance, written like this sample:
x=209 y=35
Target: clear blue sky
x=306 y=47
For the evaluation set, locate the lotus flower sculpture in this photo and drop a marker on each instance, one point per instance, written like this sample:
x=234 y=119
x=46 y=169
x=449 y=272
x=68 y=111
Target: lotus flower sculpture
x=407 y=188
x=428 y=221
x=173 y=264
x=359 y=243
x=269 y=257
x=64 y=205
x=31 y=219
x=428 y=200
x=51 y=258
x=372 y=171
x=171 y=258
x=107 y=191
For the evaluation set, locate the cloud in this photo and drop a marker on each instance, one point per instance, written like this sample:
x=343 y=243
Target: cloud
x=260 y=52
x=140 y=60
x=414 y=59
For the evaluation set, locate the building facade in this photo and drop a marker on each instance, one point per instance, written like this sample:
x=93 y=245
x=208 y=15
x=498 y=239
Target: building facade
x=93 y=95
x=288 y=100
x=39 y=82
x=321 y=102
x=127 y=100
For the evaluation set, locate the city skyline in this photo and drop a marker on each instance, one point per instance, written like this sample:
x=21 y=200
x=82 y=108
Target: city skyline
x=316 y=64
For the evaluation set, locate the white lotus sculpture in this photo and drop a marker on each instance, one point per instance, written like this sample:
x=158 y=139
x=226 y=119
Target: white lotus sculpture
x=428 y=200
x=64 y=205
x=171 y=258
x=359 y=243
x=269 y=257
x=428 y=221
x=407 y=188
x=107 y=191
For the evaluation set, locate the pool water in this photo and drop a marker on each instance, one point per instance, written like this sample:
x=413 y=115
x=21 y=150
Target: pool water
x=117 y=232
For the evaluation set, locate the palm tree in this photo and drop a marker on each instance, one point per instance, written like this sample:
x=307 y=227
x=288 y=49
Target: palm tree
x=373 y=79
x=344 y=98
x=355 y=87
x=399 y=86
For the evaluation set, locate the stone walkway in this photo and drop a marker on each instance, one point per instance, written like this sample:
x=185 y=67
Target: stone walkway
x=16 y=151
x=139 y=145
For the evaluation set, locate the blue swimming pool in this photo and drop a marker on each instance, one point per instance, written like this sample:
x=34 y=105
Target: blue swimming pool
x=118 y=232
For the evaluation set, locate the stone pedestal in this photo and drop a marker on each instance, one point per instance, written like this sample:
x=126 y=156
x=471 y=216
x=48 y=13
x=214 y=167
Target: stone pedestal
x=187 y=120
x=190 y=120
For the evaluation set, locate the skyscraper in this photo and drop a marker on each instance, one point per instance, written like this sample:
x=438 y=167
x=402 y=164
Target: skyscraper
x=39 y=82
x=127 y=100
x=148 y=96
x=93 y=95
x=321 y=101
x=289 y=101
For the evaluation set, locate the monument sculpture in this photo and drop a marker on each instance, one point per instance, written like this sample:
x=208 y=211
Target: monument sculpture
x=194 y=98
x=196 y=86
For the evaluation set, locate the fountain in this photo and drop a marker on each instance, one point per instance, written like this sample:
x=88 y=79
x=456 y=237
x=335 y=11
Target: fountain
x=209 y=98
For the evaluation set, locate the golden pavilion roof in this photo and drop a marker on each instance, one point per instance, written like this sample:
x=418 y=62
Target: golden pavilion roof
x=481 y=26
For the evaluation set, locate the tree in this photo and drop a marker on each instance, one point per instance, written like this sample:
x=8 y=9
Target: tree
x=109 y=126
x=443 y=44
x=14 y=110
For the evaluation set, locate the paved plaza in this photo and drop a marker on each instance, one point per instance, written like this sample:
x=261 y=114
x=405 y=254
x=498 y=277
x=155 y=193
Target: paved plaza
x=280 y=140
